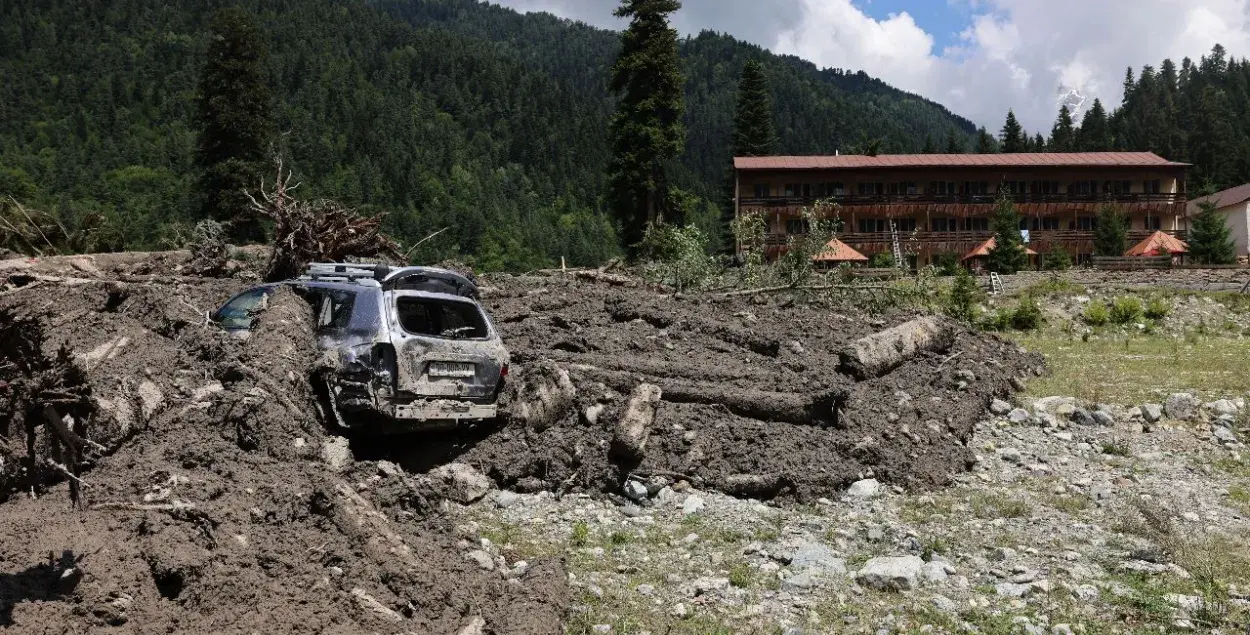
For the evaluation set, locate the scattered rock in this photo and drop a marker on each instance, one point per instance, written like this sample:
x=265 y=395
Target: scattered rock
x=891 y=573
x=1019 y=416
x=482 y=559
x=819 y=559
x=336 y=453
x=1223 y=435
x=1000 y=407
x=1222 y=407
x=475 y=626
x=867 y=488
x=1182 y=406
x=1152 y=412
x=635 y=490
x=692 y=505
x=458 y=482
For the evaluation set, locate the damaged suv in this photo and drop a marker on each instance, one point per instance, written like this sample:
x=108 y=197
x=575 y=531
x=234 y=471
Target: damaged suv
x=414 y=345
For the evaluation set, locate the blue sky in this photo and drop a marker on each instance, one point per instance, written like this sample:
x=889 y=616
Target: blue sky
x=976 y=57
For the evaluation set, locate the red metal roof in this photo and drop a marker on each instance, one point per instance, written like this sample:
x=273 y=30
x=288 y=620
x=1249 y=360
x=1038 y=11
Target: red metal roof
x=986 y=247
x=1231 y=196
x=1024 y=159
x=1157 y=244
x=838 y=251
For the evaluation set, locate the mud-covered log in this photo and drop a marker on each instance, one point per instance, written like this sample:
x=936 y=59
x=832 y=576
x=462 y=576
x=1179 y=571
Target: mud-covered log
x=879 y=353
x=799 y=408
x=634 y=427
x=624 y=312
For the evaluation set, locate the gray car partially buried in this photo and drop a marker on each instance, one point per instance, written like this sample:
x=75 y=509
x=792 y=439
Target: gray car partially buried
x=416 y=349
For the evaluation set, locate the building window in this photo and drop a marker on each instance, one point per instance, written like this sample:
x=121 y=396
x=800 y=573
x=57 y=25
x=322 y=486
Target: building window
x=1084 y=223
x=1043 y=224
x=901 y=189
x=976 y=224
x=905 y=225
x=797 y=226
x=942 y=188
x=1117 y=187
x=871 y=189
x=829 y=189
x=789 y=189
x=761 y=190
x=976 y=187
x=1154 y=223
x=1084 y=188
x=1012 y=187
x=1046 y=187
x=1151 y=187
x=944 y=224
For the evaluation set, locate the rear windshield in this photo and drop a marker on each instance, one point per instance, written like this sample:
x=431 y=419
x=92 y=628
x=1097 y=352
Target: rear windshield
x=441 y=318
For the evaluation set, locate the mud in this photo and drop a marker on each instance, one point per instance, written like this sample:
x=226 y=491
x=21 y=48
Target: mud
x=208 y=508
x=753 y=402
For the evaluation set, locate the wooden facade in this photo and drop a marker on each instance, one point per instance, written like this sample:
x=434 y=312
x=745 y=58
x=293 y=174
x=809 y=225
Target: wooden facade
x=944 y=206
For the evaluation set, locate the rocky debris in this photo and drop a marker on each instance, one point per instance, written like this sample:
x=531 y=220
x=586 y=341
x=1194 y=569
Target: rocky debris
x=337 y=453
x=1223 y=434
x=1182 y=406
x=867 y=488
x=891 y=573
x=1019 y=416
x=544 y=393
x=1000 y=407
x=457 y=482
x=1222 y=407
x=879 y=353
x=1151 y=412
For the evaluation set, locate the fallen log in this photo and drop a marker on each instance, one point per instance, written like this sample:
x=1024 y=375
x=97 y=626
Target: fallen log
x=879 y=353
x=624 y=312
x=634 y=427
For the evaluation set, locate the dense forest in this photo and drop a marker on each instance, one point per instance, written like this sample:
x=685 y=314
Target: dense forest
x=442 y=113
x=1197 y=113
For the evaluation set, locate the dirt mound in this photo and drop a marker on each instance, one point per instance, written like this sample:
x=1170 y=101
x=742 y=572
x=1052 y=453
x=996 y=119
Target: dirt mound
x=209 y=504
x=753 y=397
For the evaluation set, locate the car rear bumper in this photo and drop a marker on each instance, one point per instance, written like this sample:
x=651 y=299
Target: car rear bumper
x=444 y=410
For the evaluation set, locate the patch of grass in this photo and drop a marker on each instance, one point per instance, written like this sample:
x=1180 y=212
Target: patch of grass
x=581 y=534
x=998 y=506
x=742 y=576
x=618 y=538
x=1055 y=286
x=692 y=521
x=1138 y=369
x=1067 y=503
x=921 y=513
x=1127 y=310
x=934 y=545
x=1232 y=466
x=1240 y=498
x=1116 y=447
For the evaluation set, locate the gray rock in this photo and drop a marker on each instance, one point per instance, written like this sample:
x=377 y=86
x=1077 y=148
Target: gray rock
x=1223 y=435
x=1061 y=629
x=1083 y=417
x=965 y=376
x=1018 y=416
x=1000 y=407
x=1054 y=404
x=705 y=586
x=459 y=482
x=1010 y=455
x=635 y=490
x=1011 y=589
x=1003 y=554
x=818 y=558
x=505 y=499
x=934 y=572
x=692 y=505
x=336 y=453
x=1222 y=407
x=645 y=589
x=1085 y=593
x=1104 y=418
x=1151 y=412
x=800 y=582
x=482 y=559
x=1182 y=406
x=891 y=573
x=945 y=604
x=867 y=488
x=633 y=429
x=475 y=626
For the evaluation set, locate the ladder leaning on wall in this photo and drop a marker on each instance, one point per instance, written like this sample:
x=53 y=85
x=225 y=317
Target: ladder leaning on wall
x=996 y=284
x=898 y=252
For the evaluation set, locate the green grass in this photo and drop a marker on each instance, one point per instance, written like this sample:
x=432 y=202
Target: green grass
x=1138 y=369
x=998 y=506
x=1240 y=498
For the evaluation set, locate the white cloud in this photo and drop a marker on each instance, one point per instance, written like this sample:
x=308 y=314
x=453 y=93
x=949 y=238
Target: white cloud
x=1019 y=54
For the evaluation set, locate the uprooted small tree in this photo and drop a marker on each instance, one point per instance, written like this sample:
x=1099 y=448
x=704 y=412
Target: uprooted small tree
x=320 y=230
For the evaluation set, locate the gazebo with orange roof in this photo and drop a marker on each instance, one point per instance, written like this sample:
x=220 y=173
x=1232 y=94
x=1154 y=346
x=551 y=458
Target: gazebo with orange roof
x=836 y=252
x=1158 y=244
x=986 y=247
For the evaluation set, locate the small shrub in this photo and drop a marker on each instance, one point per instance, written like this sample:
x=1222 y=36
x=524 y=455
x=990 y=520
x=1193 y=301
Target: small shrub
x=1117 y=447
x=1027 y=316
x=1097 y=314
x=1157 y=309
x=881 y=261
x=581 y=534
x=947 y=264
x=965 y=295
x=740 y=576
x=1057 y=260
x=999 y=321
x=1127 y=310
x=677 y=256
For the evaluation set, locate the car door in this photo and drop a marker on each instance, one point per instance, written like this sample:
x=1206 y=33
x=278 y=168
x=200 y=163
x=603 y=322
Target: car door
x=237 y=314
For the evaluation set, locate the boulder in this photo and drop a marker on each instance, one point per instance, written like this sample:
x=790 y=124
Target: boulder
x=819 y=559
x=458 y=482
x=1182 y=406
x=1019 y=416
x=1222 y=407
x=634 y=427
x=336 y=453
x=867 y=488
x=1151 y=412
x=1000 y=407
x=1223 y=435
x=891 y=573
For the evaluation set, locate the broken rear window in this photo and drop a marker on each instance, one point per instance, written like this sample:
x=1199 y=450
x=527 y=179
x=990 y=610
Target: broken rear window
x=441 y=318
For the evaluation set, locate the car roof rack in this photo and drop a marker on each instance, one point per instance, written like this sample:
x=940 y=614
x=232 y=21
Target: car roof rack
x=350 y=272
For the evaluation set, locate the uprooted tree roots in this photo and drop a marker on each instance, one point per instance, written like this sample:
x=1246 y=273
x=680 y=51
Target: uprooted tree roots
x=49 y=403
x=316 y=231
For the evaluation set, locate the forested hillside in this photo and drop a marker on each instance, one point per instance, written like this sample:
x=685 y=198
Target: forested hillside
x=443 y=113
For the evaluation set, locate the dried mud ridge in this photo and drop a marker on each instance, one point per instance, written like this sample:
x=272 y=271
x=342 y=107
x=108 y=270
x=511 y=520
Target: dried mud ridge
x=213 y=499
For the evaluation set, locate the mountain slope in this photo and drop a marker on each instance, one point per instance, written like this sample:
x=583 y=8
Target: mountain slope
x=444 y=113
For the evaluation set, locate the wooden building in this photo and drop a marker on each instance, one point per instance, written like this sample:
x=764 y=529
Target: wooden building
x=942 y=203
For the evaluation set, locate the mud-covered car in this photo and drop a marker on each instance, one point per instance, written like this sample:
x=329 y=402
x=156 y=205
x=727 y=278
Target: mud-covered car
x=414 y=345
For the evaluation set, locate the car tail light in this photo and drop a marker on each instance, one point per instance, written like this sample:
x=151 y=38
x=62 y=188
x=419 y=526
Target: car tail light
x=503 y=372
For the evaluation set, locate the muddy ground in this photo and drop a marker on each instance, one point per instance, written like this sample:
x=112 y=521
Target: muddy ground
x=214 y=500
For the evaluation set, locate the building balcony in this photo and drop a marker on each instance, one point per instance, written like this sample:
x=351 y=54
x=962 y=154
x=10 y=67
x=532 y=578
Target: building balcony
x=882 y=241
x=847 y=200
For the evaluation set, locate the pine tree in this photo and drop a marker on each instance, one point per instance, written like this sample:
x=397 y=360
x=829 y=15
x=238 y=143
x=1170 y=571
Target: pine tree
x=647 y=131
x=1063 y=135
x=985 y=142
x=1039 y=143
x=235 y=121
x=1210 y=239
x=754 y=135
x=928 y=148
x=1095 y=132
x=963 y=303
x=954 y=145
x=1012 y=135
x=1111 y=235
x=1008 y=255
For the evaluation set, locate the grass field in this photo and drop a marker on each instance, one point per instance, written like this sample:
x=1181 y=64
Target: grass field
x=1140 y=369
